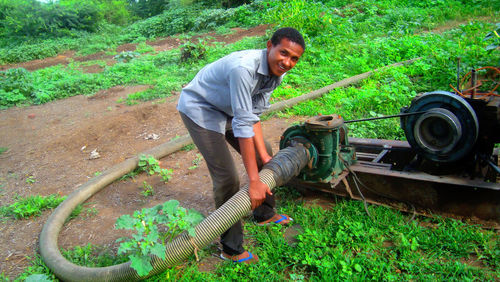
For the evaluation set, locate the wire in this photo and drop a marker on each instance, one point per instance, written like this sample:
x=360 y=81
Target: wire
x=365 y=203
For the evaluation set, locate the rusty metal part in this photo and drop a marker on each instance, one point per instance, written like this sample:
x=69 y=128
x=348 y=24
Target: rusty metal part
x=385 y=169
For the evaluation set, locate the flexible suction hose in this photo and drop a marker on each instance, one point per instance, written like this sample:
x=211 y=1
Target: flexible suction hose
x=287 y=163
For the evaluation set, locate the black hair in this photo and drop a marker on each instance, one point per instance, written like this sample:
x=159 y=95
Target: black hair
x=289 y=33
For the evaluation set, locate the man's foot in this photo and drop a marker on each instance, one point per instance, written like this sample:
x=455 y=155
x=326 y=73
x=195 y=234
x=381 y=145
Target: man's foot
x=282 y=219
x=245 y=257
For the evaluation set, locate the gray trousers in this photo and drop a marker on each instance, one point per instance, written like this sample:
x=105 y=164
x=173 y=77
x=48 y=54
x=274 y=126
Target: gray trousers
x=225 y=180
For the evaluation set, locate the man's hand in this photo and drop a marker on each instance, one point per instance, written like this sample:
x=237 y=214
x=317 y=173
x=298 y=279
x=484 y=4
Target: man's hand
x=258 y=191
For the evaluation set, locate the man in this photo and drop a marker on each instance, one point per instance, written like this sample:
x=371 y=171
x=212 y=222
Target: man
x=223 y=103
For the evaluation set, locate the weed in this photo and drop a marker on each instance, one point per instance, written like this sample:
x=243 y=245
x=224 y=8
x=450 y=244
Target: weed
x=155 y=227
x=3 y=150
x=90 y=212
x=30 y=179
x=193 y=51
x=31 y=206
x=196 y=162
x=142 y=47
x=92 y=256
x=37 y=266
x=150 y=165
x=147 y=190
x=188 y=147
x=126 y=56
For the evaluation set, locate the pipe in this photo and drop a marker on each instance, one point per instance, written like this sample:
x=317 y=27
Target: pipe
x=286 y=164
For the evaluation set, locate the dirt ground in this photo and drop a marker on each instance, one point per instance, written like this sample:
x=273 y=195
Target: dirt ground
x=51 y=144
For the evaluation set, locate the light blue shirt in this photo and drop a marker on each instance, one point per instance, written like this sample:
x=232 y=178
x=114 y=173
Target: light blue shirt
x=237 y=86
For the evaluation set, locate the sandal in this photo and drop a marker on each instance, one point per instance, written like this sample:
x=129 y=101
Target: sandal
x=249 y=258
x=280 y=220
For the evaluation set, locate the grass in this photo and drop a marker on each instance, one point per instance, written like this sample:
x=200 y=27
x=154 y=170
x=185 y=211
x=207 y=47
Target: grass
x=337 y=242
x=33 y=206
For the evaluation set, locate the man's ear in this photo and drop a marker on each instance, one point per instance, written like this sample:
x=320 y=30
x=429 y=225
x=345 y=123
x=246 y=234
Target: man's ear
x=269 y=45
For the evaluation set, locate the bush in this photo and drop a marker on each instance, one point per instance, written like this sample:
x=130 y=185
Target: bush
x=16 y=86
x=33 y=18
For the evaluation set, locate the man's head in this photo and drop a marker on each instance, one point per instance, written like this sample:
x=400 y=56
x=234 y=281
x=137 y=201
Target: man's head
x=284 y=50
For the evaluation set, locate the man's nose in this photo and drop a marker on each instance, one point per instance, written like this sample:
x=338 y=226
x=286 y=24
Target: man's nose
x=287 y=62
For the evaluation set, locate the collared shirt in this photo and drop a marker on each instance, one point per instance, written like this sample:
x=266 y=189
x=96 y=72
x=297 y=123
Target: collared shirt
x=237 y=86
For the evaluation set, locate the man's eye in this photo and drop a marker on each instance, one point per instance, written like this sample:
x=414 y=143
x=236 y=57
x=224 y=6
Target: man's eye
x=283 y=53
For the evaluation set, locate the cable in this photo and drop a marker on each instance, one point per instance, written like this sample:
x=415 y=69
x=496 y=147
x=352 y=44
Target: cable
x=365 y=203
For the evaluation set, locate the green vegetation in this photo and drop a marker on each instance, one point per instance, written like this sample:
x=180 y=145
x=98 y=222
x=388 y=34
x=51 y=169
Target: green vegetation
x=89 y=255
x=344 y=38
x=150 y=165
x=343 y=243
x=155 y=227
x=196 y=162
x=147 y=189
x=338 y=242
x=26 y=207
x=30 y=206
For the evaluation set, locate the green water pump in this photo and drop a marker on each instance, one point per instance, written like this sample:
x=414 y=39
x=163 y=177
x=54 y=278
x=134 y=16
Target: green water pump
x=325 y=137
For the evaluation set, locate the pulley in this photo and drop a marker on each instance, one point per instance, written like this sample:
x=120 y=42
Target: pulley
x=448 y=129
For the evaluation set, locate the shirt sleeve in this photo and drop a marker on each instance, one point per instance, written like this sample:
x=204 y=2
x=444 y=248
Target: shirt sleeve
x=241 y=85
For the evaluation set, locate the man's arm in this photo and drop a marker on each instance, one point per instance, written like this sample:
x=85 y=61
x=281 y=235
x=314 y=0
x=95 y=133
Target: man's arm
x=258 y=140
x=257 y=190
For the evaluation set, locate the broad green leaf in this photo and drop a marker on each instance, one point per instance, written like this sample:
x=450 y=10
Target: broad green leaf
x=125 y=222
x=158 y=250
x=170 y=207
x=126 y=246
x=193 y=217
x=192 y=231
x=141 y=264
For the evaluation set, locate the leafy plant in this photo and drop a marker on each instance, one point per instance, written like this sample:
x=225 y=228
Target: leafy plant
x=495 y=37
x=126 y=56
x=196 y=161
x=193 y=51
x=16 y=86
x=154 y=228
x=31 y=206
x=188 y=147
x=92 y=256
x=3 y=150
x=147 y=190
x=34 y=205
x=152 y=166
x=30 y=179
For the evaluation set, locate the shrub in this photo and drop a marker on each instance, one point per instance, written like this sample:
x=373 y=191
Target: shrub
x=33 y=18
x=16 y=86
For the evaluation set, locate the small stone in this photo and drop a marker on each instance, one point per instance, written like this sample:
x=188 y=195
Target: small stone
x=94 y=154
x=152 y=136
x=32 y=116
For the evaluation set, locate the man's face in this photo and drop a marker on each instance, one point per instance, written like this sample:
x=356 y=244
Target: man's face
x=283 y=57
